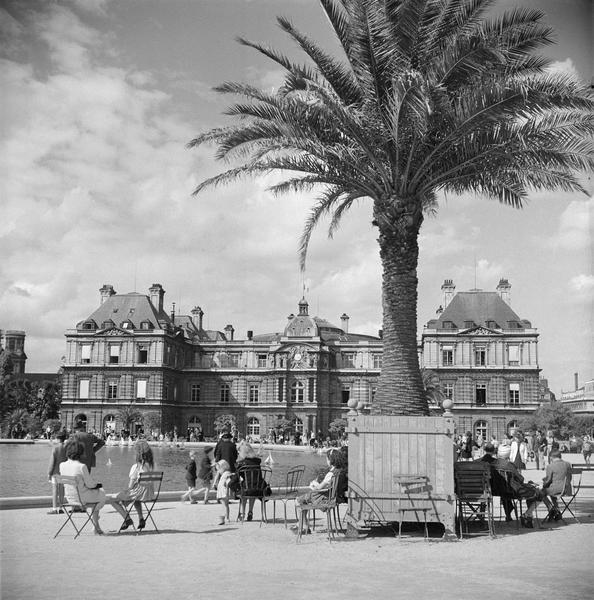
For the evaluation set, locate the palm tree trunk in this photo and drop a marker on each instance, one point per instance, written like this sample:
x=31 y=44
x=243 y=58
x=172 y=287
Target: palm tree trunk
x=400 y=388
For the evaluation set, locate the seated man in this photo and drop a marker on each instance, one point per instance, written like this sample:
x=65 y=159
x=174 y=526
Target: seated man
x=508 y=482
x=557 y=481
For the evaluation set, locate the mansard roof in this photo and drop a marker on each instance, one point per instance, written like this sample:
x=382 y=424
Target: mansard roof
x=481 y=309
x=132 y=307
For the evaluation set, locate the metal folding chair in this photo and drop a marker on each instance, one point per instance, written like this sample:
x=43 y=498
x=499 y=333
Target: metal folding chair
x=254 y=482
x=293 y=481
x=74 y=506
x=326 y=504
x=576 y=483
x=151 y=481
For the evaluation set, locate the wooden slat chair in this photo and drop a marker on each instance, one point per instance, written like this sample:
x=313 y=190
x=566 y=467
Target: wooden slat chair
x=413 y=505
x=151 y=480
x=254 y=481
x=327 y=504
x=474 y=497
x=293 y=481
x=75 y=505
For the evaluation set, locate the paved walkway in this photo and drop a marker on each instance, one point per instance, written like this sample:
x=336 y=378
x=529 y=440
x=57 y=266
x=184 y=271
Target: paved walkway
x=193 y=557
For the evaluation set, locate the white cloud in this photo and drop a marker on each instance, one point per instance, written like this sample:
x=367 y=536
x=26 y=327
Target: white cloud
x=564 y=66
x=575 y=230
x=583 y=284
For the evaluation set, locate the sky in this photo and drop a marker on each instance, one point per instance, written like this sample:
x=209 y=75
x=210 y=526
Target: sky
x=99 y=100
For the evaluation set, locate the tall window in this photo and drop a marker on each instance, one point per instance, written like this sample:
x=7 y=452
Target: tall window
x=112 y=390
x=114 y=354
x=514 y=393
x=298 y=425
x=225 y=392
x=85 y=353
x=141 y=389
x=195 y=392
x=345 y=394
x=447 y=356
x=233 y=358
x=513 y=354
x=254 y=394
x=253 y=426
x=297 y=391
x=142 y=356
x=83 y=389
x=348 y=359
x=448 y=390
x=480 y=394
x=262 y=360
x=377 y=360
x=480 y=357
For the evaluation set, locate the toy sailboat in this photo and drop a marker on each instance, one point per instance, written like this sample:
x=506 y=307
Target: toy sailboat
x=108 y=463
x=269 y=460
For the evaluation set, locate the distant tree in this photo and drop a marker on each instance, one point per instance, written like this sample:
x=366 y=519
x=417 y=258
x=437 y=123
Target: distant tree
x=555 y=417
x=16 y=424
x=225 y=423
x=129 y=414
x=285 y=425
x=337 y=427
x=584 y=424
x=432 y=386
x=54 y=425
x=151 y=421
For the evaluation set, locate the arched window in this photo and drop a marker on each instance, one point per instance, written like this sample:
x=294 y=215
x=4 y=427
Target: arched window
x=480 y=428
x=298 y=425
x=297 y=391
x=81 y=418
x=194 y=422
x=109 y=423
x=512 y=426
x=253 y=427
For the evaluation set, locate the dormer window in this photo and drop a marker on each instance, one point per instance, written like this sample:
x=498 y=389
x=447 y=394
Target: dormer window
x=127 y=324
x=89 y=324
x=491 y=324
x=449 y=325
x=146 y=324
x=107 y=324
x=469 y=324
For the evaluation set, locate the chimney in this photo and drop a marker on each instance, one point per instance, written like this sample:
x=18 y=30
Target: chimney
x=229 y=332
x=173 y=312
x=448 y=288
x=106 y=292
x=380 y=334
x=345 y=322
x=157 y=293
x=197 y=315
x=250 y=334
x=504 y=290
x=575 y=381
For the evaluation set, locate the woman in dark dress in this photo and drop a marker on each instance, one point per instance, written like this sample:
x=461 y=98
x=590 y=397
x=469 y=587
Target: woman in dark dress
x=246 y=457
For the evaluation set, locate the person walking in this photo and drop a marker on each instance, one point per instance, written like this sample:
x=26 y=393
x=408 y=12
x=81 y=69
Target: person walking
x=191 y=470
x=57 y=457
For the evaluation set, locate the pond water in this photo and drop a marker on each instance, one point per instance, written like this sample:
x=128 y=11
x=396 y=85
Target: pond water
x=24 y=467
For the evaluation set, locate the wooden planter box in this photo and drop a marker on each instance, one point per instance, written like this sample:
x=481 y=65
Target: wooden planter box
x=397 y=464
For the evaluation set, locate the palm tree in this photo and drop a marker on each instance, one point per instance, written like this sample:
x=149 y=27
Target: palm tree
x=431 y=96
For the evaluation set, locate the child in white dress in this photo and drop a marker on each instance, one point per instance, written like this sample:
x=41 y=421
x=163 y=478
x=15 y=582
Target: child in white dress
x=224 y=475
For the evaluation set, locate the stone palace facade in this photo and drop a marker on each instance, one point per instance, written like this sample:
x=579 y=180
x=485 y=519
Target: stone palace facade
x=130 y=353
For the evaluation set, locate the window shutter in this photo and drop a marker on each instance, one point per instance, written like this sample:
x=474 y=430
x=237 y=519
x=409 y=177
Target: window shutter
x=85 y=351
x=141 y=388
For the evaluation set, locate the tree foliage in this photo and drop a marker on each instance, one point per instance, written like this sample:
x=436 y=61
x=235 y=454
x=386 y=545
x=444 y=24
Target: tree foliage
x=426 y=97
x=225 y=422
x=128 y=415
x=338 y=427
x=555 y=417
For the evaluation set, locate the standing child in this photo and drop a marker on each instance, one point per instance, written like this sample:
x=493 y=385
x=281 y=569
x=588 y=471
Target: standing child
x=224 y=476
x=190 y=478
x=204 y=481
x=58 y=456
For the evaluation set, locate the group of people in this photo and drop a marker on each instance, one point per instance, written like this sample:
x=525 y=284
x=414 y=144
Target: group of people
x=74 y=456
x=508 y=482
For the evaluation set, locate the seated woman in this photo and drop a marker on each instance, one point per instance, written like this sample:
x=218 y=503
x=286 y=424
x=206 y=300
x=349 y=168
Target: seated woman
x=135 y=492
x=319 y=493
x=89 y=490
x=246 y=457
